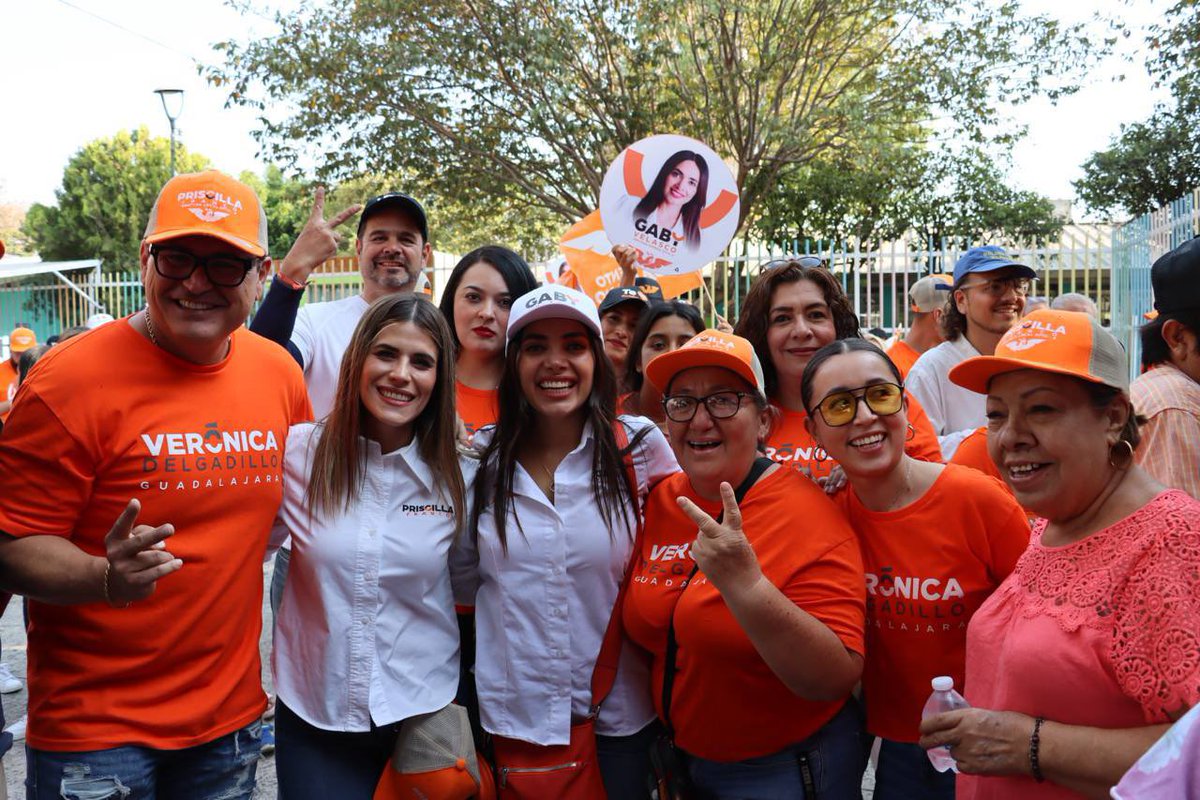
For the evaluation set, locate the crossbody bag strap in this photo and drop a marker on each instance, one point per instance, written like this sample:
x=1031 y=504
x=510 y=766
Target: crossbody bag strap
x=760 y=465
x=604 y=673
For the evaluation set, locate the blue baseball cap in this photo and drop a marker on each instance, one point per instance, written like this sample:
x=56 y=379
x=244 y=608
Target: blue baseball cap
x=987 y=258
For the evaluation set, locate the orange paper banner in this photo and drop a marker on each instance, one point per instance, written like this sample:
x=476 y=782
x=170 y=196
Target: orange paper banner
x=594 y=270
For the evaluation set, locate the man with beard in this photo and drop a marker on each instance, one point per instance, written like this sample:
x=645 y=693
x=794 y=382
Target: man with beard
x=988 y=298
x=392 y=249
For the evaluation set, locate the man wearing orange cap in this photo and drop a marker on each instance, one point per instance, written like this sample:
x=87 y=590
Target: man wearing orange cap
x=142 y=466
x=20 y=340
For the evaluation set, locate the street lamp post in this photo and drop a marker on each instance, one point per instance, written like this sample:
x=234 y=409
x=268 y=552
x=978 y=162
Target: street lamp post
x=172 y=103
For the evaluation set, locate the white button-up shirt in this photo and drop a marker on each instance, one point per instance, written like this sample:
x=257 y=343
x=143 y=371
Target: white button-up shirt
x=366 y=630
x=541 y=610
x=953 y=411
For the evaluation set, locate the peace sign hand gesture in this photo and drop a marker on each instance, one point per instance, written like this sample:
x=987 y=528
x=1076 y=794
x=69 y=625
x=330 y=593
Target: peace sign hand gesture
x=137 y=558
x=721 y=549
x=318 y=241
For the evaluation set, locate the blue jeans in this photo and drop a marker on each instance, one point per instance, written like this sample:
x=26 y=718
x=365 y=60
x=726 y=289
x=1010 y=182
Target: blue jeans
x=625 y=762
x=904 y=773
x=830 y=762
x=223 y=769
x=320 y=764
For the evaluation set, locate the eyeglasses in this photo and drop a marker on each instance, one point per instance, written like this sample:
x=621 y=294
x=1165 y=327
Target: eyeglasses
x=720 y=405
x=222 y=270
x=807 y=262
x=840 y=408
x=998 y=287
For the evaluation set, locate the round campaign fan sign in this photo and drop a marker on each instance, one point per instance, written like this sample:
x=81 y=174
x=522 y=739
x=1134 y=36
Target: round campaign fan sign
x=673 y=199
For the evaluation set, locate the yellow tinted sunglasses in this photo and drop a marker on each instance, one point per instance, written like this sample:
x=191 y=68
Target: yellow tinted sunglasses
x=840 y=408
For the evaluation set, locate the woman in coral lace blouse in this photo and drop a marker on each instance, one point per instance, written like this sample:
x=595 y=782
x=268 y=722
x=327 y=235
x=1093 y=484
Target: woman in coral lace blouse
x=1091 y=648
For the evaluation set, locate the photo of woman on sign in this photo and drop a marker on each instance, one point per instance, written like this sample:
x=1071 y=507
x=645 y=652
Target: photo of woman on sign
x=672 y=206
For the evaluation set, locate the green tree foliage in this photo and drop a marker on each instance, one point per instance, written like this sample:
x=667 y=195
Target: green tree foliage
x=286 y=202
x=108 y=188
x=12 y=216
x=1153 y=162
x=509 y=111
x=879 y=194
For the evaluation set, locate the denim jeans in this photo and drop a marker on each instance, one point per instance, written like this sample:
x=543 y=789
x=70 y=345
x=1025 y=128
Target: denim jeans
x=625 y=762
x=314 y=763
x=831 y=759
x=904 y=773
x=223 y=769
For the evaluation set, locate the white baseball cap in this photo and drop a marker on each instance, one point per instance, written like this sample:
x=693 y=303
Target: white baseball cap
x=552 y=302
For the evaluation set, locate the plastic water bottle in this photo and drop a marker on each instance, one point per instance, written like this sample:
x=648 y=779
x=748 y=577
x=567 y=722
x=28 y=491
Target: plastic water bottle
x=943 y=699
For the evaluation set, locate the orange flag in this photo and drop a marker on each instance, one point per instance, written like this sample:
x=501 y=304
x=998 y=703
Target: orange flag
x=589 y=256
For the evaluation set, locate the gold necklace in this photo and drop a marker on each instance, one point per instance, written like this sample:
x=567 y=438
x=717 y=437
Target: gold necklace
x=904 y=486
x=150 y=329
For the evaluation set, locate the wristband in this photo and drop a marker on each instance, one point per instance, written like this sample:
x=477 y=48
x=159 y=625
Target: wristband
x=107 y=596
x=1035 y=741
x=286 y=281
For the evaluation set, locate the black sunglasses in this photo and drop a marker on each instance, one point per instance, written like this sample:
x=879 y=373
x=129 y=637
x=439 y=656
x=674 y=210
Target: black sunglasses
x=222 y=270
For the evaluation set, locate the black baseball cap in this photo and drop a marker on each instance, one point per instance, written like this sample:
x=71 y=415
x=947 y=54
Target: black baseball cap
x=622 y=294
x=399 y=201
x=649 y=287
x=1176 y=279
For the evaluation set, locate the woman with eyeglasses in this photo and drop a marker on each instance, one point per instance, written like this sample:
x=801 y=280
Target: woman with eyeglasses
x=794 y=309
x=755 y=621
x=936 y=540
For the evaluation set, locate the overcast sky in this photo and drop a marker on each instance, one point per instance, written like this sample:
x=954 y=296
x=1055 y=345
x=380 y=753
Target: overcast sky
x=76 y=70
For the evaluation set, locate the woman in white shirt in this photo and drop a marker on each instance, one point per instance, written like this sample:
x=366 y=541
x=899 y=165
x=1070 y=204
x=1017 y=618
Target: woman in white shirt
x=373 y=499
x=554 y=532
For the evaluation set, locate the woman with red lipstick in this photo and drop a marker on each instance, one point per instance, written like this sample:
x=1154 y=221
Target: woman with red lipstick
x=374 y=497
x=554 y=523
x=754 y=617
x=794 y=309
x=476 y=303
x=676 y=197
x=1091 y=648
x=936 y=541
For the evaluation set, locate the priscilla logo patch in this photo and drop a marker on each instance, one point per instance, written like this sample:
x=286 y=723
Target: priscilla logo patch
x=209 y=206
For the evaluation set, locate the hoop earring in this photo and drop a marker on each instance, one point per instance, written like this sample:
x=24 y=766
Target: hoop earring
x=1120 y=457
x=911 y=434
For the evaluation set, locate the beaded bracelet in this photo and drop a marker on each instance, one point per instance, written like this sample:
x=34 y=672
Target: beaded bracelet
x=1035 y=741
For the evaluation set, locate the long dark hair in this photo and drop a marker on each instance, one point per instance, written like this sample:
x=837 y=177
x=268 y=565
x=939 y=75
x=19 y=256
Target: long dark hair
x=339 y=460
x=690 y=213
x=498 y=462
x=836 y=348
x=517 y=275
x=754 y=318
x=634 y=376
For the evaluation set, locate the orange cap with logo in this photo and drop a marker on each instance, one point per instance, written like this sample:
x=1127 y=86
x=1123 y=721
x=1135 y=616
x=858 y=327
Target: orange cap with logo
x=21 y=339
x=709 y=348
x=209 y=204
x=1064 y=342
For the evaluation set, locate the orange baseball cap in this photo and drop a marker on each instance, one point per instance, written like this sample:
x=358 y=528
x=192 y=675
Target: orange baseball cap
x=709 y=348
x=1064 y=342
x=209 y=204
x=21 y=339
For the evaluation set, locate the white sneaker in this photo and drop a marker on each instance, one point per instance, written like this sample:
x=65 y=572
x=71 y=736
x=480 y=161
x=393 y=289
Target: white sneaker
x=17 y=729
x=9 y=683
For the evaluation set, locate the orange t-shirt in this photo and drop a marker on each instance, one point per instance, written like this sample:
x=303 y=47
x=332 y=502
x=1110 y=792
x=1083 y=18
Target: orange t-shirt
x=108 y=417
x=727 y=704
x=8 y=383
x=903 y=356
x=476 y=407
x=929 y=566
x=790 y=443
